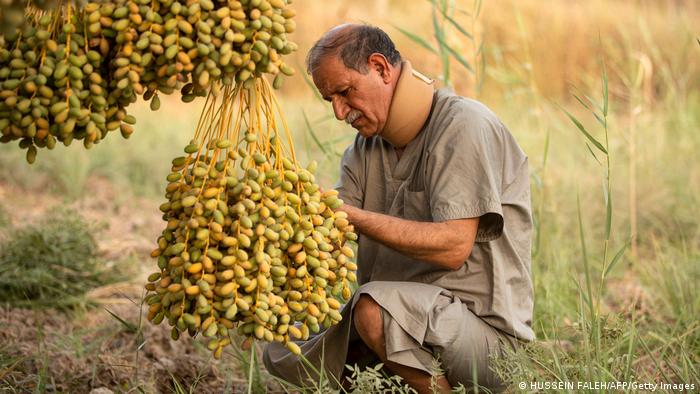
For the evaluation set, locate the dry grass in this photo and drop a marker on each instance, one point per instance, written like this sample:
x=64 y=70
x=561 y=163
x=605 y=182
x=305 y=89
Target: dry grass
x=558 y=42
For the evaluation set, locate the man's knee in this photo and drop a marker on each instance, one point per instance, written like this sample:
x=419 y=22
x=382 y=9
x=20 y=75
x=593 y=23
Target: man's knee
x=271 y=353
x=367 y=317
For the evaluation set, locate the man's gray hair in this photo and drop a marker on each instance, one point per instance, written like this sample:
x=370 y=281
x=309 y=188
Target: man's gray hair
x=354 y=47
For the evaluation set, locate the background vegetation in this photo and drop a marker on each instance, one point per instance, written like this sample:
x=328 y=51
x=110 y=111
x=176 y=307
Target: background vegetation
x=616 y=255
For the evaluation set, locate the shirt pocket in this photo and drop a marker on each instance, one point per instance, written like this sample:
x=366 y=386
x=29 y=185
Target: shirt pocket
x=416 y=206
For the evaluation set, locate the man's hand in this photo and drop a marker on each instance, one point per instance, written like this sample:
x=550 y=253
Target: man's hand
x=445 y=244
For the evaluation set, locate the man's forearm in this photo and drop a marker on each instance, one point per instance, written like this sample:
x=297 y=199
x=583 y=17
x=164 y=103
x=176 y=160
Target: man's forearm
x=445 y=244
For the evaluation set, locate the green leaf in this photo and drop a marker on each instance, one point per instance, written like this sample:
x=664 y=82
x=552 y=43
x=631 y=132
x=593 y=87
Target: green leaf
x=600 y=108
x=482 y=70
x=417 y=39
x=605 y=91
x=130 y=327
x=313 y=134
x=454 y=22
x=179 y=389
x=477 y=8
x=581 y=292
x=311 y=86
x=458 y=27
x=608 y=212
x=630 y=352
x=689 y=364
x=459 y=57
x=545 y=154
x=583 y=130
x=586 y=106
x=598 y=118
x=654 y=356
x=444 y=55
x=586 y=271
x=592 y=153
x=617 y=257
x=481 y=48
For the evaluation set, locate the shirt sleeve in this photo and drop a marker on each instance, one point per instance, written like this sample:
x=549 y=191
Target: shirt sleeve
x=464 y=174
x=350 y=185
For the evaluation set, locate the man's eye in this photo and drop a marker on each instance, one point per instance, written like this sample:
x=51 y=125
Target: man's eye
x=344 y=92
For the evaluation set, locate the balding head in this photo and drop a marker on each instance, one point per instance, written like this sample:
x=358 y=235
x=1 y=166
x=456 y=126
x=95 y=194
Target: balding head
x=353 y=44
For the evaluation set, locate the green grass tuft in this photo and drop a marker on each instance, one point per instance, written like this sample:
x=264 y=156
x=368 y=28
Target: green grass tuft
x=51 y=263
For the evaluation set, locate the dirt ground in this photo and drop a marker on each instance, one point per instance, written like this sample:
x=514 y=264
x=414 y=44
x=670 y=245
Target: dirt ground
x=89 y=350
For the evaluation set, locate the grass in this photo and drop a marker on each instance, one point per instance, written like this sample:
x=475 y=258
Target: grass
x=4 y=217
x=51 y=263
x=635 y=319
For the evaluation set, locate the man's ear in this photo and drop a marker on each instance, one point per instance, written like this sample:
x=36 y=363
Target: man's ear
x=377 y=62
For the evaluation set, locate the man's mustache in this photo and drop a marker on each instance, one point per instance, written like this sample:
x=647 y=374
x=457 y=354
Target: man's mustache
x=352 y=116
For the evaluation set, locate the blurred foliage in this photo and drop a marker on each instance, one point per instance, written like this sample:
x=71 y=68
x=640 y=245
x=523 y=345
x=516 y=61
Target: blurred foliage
x=4 y=217
x=553 y=45
x=51 y=263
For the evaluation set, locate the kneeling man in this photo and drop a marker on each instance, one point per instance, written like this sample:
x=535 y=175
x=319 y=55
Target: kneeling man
x=439 y=191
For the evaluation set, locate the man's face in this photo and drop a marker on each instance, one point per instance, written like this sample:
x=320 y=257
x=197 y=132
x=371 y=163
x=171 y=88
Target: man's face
x=362 y=100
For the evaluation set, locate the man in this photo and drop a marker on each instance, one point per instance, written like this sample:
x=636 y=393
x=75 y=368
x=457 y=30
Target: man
x=439 y=191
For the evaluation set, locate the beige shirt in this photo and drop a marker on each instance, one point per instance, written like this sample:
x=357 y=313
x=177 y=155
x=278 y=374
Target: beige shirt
x=463 y=164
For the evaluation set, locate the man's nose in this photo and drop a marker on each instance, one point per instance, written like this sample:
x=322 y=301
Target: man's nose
x=340 y=109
